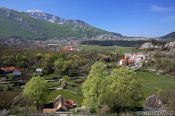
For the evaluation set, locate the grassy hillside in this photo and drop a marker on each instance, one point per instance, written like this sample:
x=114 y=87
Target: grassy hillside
x=169 y=37
x=152 y=83
x=15 y=23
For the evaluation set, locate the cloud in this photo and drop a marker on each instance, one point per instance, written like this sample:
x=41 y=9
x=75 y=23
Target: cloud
x=156 y=8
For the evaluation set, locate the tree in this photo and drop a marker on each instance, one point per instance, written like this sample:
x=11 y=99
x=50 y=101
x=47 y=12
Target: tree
x=120 y=90
x=66 y=78
x=47 y=63
x=92 y=87
x=59 y=63
x=123 y=90
x=35 y=90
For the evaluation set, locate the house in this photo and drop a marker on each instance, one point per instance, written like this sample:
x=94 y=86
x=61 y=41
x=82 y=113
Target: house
x=58 y=104
x=39 y=71
x=11 y=70
x=7 y=70
x=69 y=49
x=154 y=105
x=134 y=61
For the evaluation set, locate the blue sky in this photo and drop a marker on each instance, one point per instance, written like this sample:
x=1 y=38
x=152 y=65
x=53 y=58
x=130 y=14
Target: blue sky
x=149 y=18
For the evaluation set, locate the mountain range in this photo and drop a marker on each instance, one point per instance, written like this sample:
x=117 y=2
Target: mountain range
x=169 y=37
x=36 y=24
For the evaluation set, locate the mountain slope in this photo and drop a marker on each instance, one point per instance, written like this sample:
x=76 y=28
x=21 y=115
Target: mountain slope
x=169 y=37
x=36 y=24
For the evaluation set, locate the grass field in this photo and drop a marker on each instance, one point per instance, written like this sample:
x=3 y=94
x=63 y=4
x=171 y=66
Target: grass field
x=152 y=82
x=118 y=49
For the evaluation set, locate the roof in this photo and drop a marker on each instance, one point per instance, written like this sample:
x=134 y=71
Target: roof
x=39 y=69
x=9 y=69
x=123 y=60
x=59 y=103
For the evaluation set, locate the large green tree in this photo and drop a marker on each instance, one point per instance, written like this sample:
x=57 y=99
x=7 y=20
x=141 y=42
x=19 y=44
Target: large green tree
x=93 y=86
x=123 y=90
x=119 y=89
x=35 y=89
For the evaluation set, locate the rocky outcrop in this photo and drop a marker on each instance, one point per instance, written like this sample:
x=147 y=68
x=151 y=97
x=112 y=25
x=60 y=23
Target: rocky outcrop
x=148 y=45
x=170 y=46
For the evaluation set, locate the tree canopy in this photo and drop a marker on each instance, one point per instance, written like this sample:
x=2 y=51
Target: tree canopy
x=118 y=89
x=92 y=88
x=123 y=90
x=35 y=90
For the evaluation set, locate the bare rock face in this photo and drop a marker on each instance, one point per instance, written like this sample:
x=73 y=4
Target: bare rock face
x=148 y=45
x=170 y=46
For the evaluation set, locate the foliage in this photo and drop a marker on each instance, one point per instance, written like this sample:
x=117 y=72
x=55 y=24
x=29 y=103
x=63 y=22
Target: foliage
x=67 y=94
x=123 y=89
x=93 y=87
x=66 y=78
x=35 y=89
x=59 y=63
x=120 y=89
x=6 y=98
x=165 y=61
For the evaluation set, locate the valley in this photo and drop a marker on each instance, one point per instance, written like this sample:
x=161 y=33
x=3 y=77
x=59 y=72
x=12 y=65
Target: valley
x=52 y=66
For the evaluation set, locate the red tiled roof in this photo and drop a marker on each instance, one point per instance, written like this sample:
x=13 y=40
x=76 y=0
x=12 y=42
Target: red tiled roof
x=11 y=68
x=69 y=103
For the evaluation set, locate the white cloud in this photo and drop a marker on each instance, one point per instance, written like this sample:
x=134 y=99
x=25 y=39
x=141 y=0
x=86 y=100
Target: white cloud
x=156 y=8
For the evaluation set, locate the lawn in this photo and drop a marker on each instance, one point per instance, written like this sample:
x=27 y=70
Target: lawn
x=152 y=82
x=118 y=49
x=66 y=94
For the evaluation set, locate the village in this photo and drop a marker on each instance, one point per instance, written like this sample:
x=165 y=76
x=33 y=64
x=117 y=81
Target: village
x=87 y=58
x=13 y=78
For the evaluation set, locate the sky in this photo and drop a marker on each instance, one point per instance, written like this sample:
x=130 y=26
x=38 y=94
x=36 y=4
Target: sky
x=149 y=18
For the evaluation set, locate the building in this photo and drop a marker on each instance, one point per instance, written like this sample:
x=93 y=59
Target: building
x=11 y=70
x=134 y=61
x=154 y=105
x=58 y=104
x=39 y=71
x=69 y=49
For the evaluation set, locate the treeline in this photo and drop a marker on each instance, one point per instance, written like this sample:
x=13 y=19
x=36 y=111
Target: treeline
x=124 y=43
x=60 y=63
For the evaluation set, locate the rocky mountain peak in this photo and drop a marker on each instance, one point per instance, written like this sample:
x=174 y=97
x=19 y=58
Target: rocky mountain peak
x=35 y=11
x=39 y=14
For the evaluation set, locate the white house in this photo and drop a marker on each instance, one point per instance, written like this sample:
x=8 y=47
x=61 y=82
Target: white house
x=39 y=71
